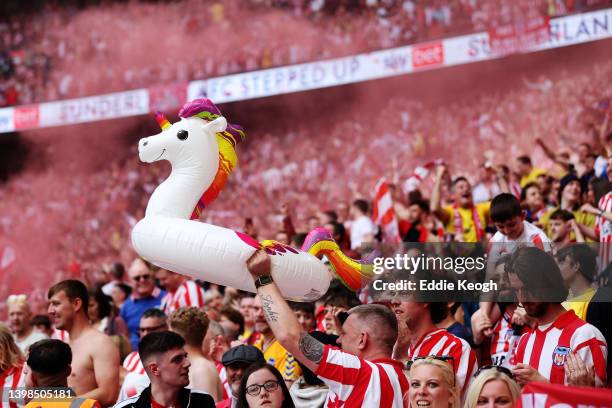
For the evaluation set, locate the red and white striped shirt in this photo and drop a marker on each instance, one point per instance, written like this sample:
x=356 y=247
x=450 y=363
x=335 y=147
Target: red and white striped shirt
x=440 y=342
x=355 y=382
x=11 y=379
x=187 y=295
x=227 y=390
x=503 y=341
x=133 y=364
x=604 y=230
x=60 y=335
x=545 y=349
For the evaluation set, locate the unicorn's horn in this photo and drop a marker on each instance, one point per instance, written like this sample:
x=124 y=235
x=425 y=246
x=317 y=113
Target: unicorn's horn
x=161 y=120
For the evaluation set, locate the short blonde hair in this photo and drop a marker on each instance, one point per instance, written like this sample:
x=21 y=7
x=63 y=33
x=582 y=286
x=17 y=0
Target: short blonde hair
x=18 y=300
x=448 y=375
x=475 y=388
x=10 y=355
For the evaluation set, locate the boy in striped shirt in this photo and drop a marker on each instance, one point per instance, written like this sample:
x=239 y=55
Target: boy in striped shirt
x=362 y=374
x=562 y=349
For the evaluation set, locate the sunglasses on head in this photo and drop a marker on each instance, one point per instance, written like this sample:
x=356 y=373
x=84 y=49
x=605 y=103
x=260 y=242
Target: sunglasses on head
x=447 y=359
x=342 y=316
x=500 y=369
x=142 y=331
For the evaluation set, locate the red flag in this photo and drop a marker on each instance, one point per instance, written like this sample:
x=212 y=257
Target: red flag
x=383 y=213
x=545 y=395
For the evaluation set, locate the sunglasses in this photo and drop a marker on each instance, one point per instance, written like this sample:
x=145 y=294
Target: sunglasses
x=447 y=359
x=141 y=277
x=502 y=370
x=255 y=389
x=144 y=330
x=342 y=316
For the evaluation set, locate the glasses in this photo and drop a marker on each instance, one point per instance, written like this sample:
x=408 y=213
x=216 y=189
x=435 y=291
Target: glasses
x=501 y=369
x=255 y=389
x=144 y=330
x=141 y=277
x=447 y=359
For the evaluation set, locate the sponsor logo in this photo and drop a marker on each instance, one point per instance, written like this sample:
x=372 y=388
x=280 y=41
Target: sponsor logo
x=26 y=117
x=427 y=55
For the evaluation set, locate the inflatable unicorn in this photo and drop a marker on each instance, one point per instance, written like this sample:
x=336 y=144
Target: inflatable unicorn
x=201 y=149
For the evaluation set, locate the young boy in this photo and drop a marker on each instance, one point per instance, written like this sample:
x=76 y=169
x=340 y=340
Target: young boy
x=512 y=229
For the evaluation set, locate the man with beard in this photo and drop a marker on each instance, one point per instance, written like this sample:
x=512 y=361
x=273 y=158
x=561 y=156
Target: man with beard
x=415 y=228
x=95 y=367
x=165 y=361
x=562 y=348
x=466 y=220
x=274 y=353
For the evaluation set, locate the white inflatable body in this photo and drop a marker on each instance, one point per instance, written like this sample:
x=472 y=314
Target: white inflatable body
x=169 y=239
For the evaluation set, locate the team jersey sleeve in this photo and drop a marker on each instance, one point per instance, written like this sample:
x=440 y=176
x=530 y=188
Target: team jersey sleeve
x=591 y=347
x=464 y=362
x=341 y=371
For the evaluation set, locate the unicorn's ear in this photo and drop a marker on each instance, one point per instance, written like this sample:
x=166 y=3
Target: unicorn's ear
x=217 y=125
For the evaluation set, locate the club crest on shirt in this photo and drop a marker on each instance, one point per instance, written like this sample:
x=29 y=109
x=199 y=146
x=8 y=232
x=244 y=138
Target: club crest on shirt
x=559 y=355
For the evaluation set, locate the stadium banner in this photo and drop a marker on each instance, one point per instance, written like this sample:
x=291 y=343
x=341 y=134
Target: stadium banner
x=303 y=77
x=166 y=98
x=519 y=36
x=91 y=109
x=545 y=395
x=6 y=120
x=563 y=31
x=26 y=117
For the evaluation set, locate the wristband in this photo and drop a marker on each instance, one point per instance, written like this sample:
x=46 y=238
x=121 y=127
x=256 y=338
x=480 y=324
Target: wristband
x=263 y=281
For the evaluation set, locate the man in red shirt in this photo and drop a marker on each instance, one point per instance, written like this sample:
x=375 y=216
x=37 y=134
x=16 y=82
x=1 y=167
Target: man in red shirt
x=362 y=374
x=562 y=349
x=425 y=339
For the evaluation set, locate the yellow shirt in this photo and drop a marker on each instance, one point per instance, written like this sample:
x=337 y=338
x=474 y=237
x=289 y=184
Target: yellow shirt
x=64 y=403
x=579 y=304
x=580 y=216
x=280 y=358
x=469 y=230
x=532 y=177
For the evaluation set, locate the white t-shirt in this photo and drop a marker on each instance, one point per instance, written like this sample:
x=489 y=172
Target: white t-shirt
x=28 y=341
x=360 y=228
x=532 y=236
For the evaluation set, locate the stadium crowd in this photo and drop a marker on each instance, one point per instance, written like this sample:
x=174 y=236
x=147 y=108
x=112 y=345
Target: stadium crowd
x=118 y=330
x=140 y=335
x=44 y=54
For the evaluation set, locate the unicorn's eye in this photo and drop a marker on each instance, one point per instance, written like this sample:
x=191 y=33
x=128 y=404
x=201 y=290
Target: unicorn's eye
x=182 y=134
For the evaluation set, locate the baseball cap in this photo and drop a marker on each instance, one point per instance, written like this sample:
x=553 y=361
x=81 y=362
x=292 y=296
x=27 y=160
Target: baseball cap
x=242 y=354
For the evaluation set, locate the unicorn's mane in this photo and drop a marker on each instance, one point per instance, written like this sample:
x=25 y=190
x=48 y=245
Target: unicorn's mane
x=227 y=141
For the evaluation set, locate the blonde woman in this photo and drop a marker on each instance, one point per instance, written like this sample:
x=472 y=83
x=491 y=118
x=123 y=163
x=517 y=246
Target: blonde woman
x=492 y=387
x=433 y=383
x=11 y=365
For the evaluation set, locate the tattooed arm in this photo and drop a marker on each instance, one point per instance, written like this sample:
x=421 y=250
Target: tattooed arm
x=282 y=319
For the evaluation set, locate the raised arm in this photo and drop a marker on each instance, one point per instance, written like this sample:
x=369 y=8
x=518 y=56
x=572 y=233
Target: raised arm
x=281 y=318
x=435 y=201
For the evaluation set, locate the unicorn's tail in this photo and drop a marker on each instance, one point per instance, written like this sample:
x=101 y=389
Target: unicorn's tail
x=354 y=274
